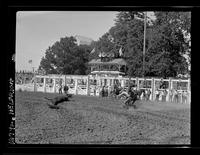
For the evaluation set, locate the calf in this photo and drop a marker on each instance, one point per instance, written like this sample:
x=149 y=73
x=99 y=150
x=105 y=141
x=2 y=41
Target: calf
x=58 y=99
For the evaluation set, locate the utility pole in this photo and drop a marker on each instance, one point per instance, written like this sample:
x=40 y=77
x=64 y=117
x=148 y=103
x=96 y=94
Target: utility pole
x=144 y=44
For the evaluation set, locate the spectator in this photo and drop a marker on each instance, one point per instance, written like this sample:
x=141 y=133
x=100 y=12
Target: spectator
x=170 y=95
x=145 y=94
x=179 y=96
x=60 y=86
x=160 y=95
x=157 y=95
x=95 y=87
x=60 y=89
x=116 y=90
x=184 y=97
x=161 y=84
x=66 y=88
x=164 y=95
x=103 y=91
x=148 y=93
x=175 y=96
x=142 y=96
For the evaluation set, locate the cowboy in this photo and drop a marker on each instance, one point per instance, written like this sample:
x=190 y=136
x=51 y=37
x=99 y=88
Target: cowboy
x=133 y=95
x=164 y=95
x=157 y=93
x=170 y=95
x=184 y=96
x=148 y=93
x=60 y=89
x=162 y=84
x=116 y=90
x=125 y=93
x=103 y=91
x=66 y=88
x=175 y=96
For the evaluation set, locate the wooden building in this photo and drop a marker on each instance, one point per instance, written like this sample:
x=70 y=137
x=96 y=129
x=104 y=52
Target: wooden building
x=108 y=65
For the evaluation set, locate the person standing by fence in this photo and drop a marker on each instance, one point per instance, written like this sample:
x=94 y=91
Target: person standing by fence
x=184 y=97
x=161 y=84
x=179 y=97
x=170 y=95
x=66 y=88
x=148 y=94
x=60 y=89
x=165 y=95
x=103 y=91
x=95 y=87
x=160 y=95
x=133 y=95
x=175 y=96
x=157 y=95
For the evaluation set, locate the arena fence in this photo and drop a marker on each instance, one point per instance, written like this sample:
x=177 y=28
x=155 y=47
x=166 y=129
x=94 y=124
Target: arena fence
x=173 y=90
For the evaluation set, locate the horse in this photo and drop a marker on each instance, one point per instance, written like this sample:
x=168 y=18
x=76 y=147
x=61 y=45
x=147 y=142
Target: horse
x=134 y=96
x=115 y=91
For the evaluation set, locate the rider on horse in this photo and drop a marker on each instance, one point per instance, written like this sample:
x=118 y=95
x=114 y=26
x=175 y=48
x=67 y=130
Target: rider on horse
x=116 y=90
x=133 y=95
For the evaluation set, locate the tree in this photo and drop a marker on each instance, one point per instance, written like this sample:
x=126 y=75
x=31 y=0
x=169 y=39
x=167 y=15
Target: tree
x=105 y=44
x=128 y=33
x=65 y=57
x=169 y=45
x=166 y=42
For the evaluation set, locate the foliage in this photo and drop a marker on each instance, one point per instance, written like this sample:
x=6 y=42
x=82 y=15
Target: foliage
x=104 y=44
x=65 y=57
x=167 y=42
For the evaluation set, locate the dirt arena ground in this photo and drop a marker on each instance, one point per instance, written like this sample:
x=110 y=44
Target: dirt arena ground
x=93 y=120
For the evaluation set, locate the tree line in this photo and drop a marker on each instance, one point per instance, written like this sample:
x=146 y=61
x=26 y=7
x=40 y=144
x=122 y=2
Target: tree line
x=167 y=44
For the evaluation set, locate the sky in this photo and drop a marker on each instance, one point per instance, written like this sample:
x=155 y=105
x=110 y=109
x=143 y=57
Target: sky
x=37 y=30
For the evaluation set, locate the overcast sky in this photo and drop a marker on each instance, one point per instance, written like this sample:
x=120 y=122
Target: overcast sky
x=36 y=31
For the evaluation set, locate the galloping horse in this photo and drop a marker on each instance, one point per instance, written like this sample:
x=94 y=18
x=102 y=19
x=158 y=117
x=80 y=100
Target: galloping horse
x=134 y=96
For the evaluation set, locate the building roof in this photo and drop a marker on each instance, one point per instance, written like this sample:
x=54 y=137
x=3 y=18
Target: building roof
x=107 y=72
x=104 y=54
x=118 y=61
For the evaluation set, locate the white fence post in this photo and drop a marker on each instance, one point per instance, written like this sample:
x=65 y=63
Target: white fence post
x=76 y=86
x=153 y=89
x=88 y=85
x=189 y=91
x=123 y=82
x=54 y=84
x=170 y=83
x=64 y=80
x=44 y=83
x=137 y=82
x=35 y=86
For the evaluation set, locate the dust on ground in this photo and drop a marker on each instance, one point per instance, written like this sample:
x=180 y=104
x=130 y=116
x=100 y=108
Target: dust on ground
x=94 y=120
